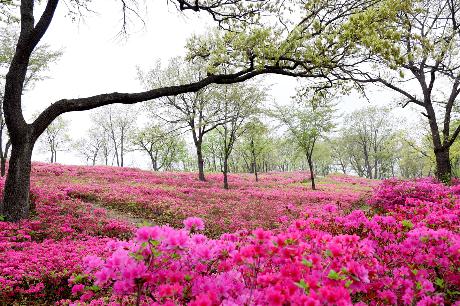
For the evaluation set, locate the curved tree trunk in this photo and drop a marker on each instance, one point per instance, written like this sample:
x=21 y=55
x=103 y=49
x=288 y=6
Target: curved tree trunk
x=16 y=204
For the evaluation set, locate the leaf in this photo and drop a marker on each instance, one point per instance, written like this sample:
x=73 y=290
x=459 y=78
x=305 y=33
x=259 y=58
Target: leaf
x=307 y=263
x=407 y=223
x=439 y=282
x=303 y=285
x=333 y=275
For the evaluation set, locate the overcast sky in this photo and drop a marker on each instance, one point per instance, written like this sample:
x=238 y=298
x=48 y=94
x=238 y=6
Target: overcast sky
x=96 y=60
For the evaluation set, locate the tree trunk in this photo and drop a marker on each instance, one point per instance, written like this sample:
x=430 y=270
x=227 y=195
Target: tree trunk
x=225 y=172
x=200 y=159
x=3 y=166
x=443 y=166
x=122 y=147
x=15 y=204
x=312 y=176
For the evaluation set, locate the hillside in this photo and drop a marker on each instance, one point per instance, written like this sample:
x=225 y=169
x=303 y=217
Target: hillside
x=101 y=234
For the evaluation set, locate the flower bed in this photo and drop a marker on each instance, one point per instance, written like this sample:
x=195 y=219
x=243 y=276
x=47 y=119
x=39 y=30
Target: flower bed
x=275 y=242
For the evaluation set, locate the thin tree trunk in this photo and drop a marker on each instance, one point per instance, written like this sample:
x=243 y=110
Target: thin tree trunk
x=15 y=205
x=200 y=160
x=122 y=147
x=225 y=171
x=312 y=176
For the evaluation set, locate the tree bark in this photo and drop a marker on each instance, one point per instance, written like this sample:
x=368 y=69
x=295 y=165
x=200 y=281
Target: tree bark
x=3 y=166
x=225 y=172
x=200 y=160
x=443 y=165
x=312 y=176
x=15 y=205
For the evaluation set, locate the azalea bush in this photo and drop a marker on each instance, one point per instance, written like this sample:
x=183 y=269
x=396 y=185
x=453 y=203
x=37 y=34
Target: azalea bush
x=273 y=242
x=410 y=255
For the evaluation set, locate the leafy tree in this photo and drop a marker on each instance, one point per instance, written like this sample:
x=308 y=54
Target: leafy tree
x=339 y=155
x=255 y=142
x=417 y=58
x=307 y=118
x=239 y=102
x=369 y=141
x=212 y=152
x=415 y=161
x=319 y=17
x=322 y=158
x=202 y=111
x=162 y=145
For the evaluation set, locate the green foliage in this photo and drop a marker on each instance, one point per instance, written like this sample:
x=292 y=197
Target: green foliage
x=162 y=145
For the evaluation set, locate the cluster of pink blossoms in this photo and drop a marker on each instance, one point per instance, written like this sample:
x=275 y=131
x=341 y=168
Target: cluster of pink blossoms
x=410 y=255
x=402 y=248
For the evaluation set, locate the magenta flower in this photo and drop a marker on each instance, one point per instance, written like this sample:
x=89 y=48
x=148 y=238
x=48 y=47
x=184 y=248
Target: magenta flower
x=194 y=224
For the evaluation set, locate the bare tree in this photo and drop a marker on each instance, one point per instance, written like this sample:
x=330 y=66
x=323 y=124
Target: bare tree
x=118 y=123
x=368 y=140
x=94 y=146
x=56 y=138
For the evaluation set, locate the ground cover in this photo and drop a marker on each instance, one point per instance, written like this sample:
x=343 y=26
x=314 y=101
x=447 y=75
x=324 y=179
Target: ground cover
x=275 y=242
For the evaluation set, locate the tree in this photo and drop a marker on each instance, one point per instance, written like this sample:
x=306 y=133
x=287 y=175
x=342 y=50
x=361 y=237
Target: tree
x=94 y=145
x=40 y=60
x=339 y=154
x=308 y=118
x=162 y=145
x=416 y=58
x=255 y=142
x=369 y=141
x=212 y=152
x=118 y=123
x=322 y=158
x=415 y=161
x=15 y=204
x=56 y=138
x=239 y=102
x=201 y=112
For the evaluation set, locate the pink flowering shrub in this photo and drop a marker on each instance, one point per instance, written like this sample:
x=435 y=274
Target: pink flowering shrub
x=409 y=256
x=396 y=192
x=299 y=266
x=274 y=242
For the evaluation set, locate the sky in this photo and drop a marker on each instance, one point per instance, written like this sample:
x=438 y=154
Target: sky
x=97 y=60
